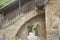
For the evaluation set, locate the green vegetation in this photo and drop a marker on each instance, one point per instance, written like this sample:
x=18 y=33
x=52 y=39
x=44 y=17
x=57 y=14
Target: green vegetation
x=31 y=27
x=4 y=2
x=14 y=38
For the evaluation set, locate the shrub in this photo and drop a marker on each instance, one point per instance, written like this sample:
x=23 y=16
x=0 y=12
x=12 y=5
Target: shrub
x=31 y=27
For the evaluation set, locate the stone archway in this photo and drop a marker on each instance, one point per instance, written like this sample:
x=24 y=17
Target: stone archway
x=40 y=19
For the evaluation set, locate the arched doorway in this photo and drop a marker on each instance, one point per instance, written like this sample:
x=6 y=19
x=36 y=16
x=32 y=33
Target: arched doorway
x=40 y=20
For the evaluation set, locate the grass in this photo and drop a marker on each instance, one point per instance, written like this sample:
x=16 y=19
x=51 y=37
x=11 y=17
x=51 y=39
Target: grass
x=4 y=2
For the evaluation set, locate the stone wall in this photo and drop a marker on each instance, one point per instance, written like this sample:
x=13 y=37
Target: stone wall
x=41 y=29
x=1 y=16
x=13 y=28
x=13 y=14
x=52 y=12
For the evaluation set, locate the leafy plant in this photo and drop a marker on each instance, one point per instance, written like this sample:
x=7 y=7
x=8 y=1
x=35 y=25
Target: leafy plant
x=31 y=27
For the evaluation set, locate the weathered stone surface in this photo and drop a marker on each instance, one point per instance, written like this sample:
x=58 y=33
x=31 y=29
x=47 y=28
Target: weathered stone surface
x=14 y=27
x=41 y=2
x=41 y=29
x=1 y=16
x=52 y=15
x=52 y=19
